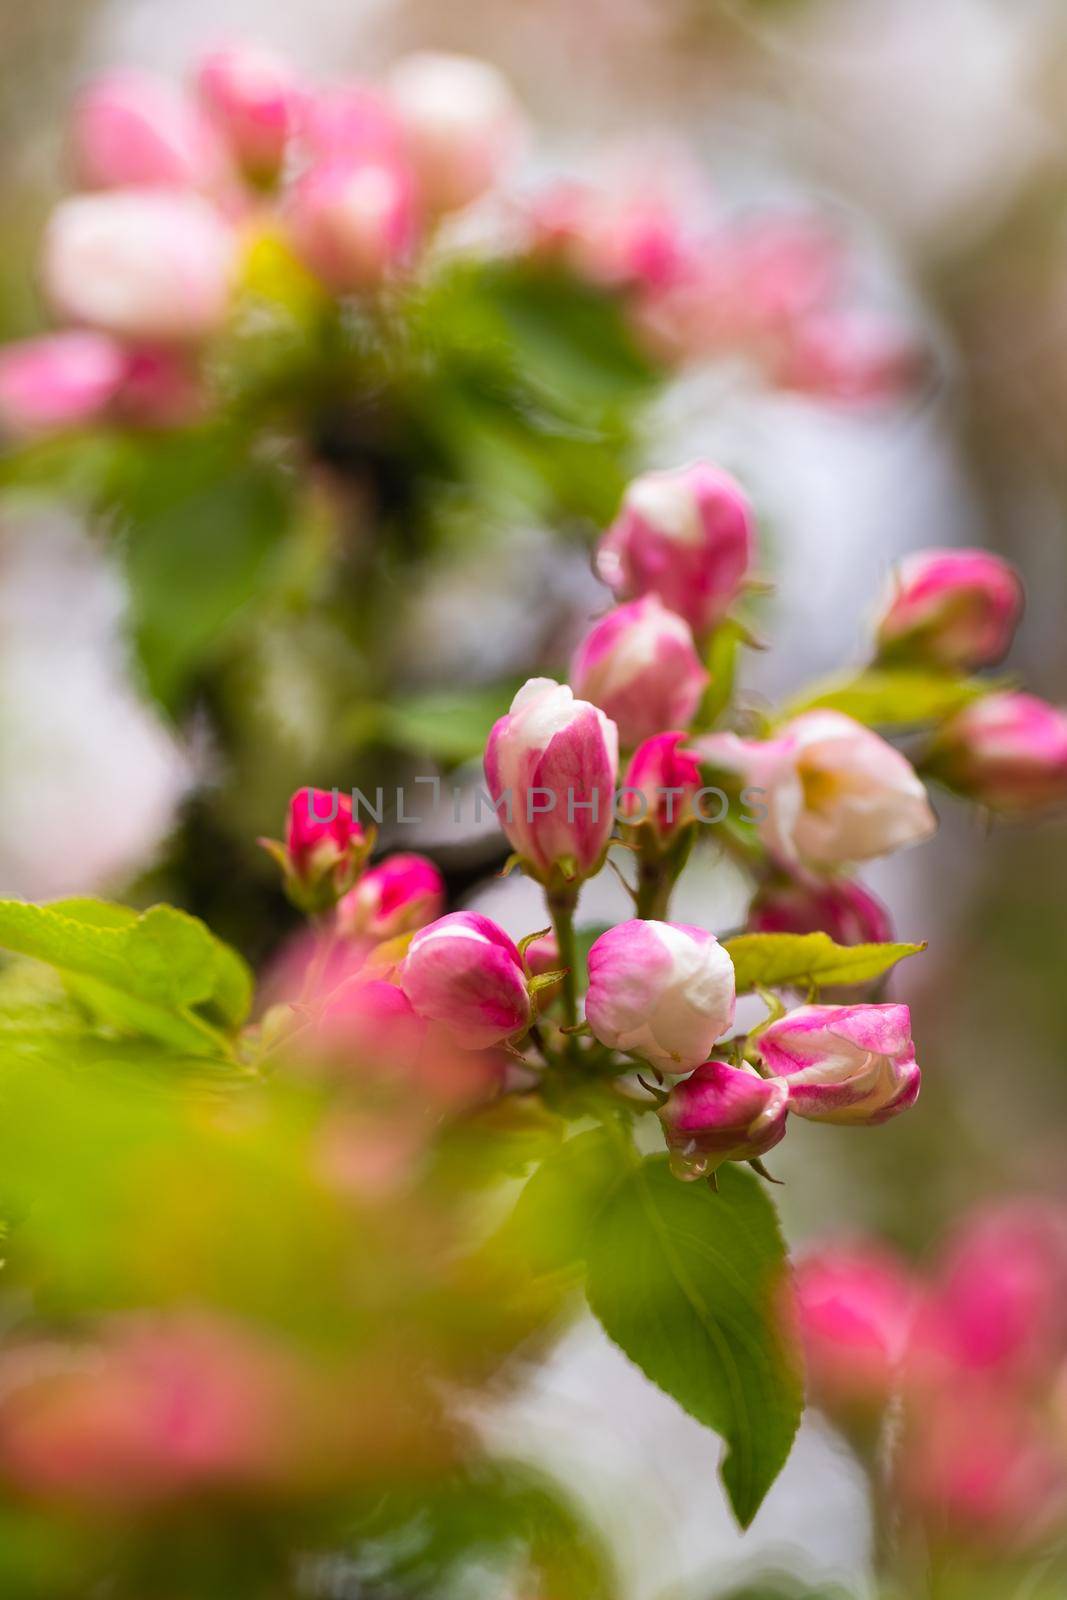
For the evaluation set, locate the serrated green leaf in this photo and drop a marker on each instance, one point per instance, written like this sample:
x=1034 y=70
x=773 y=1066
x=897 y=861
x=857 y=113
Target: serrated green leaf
x=794 y=960
x=893 y=697
x=687 y=1282
x=149 y=971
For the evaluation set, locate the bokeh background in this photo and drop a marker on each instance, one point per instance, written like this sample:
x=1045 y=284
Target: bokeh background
x=937 y=134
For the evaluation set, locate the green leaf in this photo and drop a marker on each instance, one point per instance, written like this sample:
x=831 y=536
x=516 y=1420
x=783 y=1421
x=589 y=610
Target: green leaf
x=794 y=960
x=893 y=697
x=686 y=1282
x=449 y=726
x=201 y=524
x=554 y=1215
x=148 y=972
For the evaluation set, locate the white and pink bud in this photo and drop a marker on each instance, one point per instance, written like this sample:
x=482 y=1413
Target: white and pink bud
x=466 y=974
x=141 y=264
x=840 y=907
x=133 y=130
x=253 y=98
x=1007 y=751
x=722 y=1113
x=59 y=381
x=664 y=991
x=640 y=666
x=844 y=1064
x=686 y=536
x=955 y=608
x=550 y=766
x=829 y=791
x=354 y=223
x=461 y=126
x=855 y=1305
x=660 y=785
x=403 y=893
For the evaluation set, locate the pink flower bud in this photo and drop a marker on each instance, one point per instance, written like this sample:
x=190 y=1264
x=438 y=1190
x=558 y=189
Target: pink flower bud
x=550 y=766
x=465 y=973
x=723 y=1113
x=639 y=665
x=141 y=264
x=132 y=130
x=63 y=380
x=160 y=1408
x=958 y=608
x=847 y=1064
x=830 y=791
x=855 y=1306
x=461 y=124
x=324 y=846
x=840 y=907
x=619 y=239
x=402 y=894
x=348 y=124
x=253 y=99
x=661 y=781
x=354 y=223
x=663 y=991
x=1007 y=751
x=686 y=536
x=850 y=356
x=998 y=1305
x=977 y=1466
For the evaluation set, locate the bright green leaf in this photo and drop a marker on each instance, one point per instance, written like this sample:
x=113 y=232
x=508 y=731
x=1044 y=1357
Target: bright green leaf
x=794 y=960
x=893 y=697
x=686 y=1282
x=557 y=1210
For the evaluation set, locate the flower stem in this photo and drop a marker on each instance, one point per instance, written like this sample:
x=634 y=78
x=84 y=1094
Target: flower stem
x=562 y=902
x=654 y=883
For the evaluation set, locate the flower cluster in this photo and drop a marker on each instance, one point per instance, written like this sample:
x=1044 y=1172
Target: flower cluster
x=973 y=1352
x=144 y=264
x=653 y=1009
x=178 y=193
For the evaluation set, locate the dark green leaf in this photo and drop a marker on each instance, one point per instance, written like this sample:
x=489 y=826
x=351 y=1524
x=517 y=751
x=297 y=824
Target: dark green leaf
x=686 y=1282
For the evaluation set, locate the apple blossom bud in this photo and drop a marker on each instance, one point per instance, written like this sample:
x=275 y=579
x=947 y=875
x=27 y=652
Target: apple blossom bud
x=550 y=766
x=829 y=790
x=846 y=1064
x=63 y=380
x=850 y=356
x=354 y=223
x=686 y=536
x=1007 y=751
x=854 y=1305
x=402 y=894
x=465 y=973
x=253 y=99
x=997 y=1307
x=659 y=786
x=639 y=665
x=324 y=849
x=956 y=608
x=133 y=130
x=979 y=1467
x=162 y=387
x=840 y=907
x=663 y=991
x=142 y=264
x=722 y=1113
x=461 y=125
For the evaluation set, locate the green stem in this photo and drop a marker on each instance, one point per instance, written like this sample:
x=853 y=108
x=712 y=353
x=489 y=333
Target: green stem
x=654 y=883
x=562 y=902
